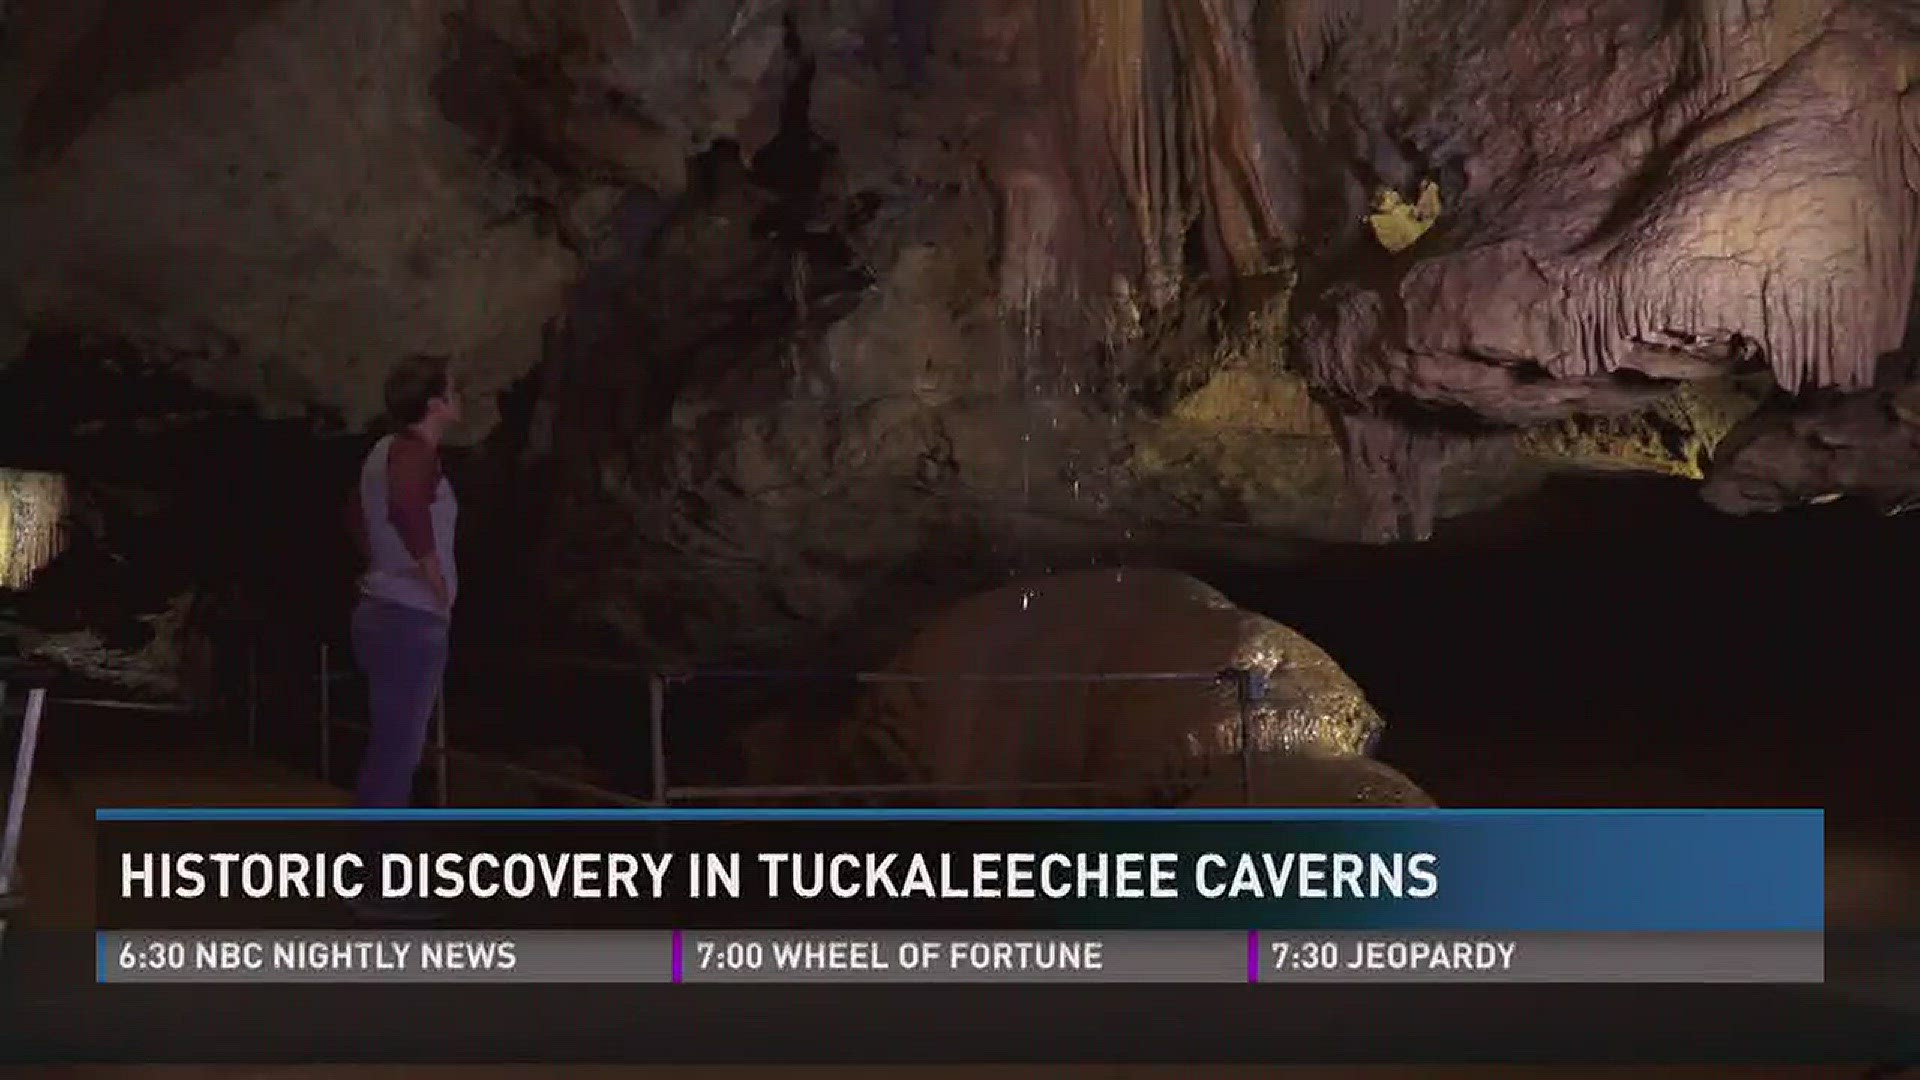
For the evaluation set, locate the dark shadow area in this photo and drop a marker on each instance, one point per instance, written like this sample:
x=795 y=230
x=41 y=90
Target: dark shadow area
x=1617 y=642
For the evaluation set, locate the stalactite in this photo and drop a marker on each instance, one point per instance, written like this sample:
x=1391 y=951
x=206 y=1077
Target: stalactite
x=33 y=512
x=1224 y=110
x=1154 y=120
x=1174 y=167
x=1821 y=315
x=1310 y=29
x=1393 y=471
x=1829 y=328
x=1116 y=77
x=1031 y=217
x=1050 y=194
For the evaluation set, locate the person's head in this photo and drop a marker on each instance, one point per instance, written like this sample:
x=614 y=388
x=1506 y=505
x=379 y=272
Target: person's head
x=422 y=388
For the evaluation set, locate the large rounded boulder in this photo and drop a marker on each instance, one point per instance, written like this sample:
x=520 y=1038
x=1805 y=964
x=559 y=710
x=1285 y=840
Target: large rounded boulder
x=1122 y=679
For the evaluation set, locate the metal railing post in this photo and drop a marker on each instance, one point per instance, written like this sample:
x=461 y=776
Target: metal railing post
x=326 y=714
x=1243 y=697
x=17 y=798
x=440 y=746
x=3 y=730
x=657 y=734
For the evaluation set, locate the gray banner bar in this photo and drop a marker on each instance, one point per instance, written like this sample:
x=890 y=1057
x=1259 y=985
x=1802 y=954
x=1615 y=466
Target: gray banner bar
x=933 y=956
x=1348 y=957
x=776 y=956
x=424 y=956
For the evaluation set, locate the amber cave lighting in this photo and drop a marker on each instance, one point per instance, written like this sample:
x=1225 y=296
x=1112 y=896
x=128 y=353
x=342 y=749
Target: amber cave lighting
x=33 y=513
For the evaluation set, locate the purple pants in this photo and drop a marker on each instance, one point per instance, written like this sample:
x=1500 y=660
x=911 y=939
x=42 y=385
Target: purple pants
x=403 y=652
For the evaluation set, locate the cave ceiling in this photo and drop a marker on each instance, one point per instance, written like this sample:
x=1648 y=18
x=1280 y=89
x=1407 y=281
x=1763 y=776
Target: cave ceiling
x=1348 y=242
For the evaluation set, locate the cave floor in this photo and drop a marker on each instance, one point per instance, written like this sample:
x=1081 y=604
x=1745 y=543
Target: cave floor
x=57 y=864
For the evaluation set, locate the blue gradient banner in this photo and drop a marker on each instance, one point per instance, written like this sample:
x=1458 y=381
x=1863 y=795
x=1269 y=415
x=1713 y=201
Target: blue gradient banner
x=1638 y=870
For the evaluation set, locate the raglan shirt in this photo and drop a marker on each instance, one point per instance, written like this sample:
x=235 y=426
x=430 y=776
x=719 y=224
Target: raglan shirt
x=402 y=511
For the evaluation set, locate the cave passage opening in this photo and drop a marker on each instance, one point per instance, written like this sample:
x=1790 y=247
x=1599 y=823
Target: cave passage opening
x=1614 y=642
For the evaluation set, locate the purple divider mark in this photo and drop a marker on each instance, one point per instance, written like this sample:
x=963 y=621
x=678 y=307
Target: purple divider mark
x=1253 y=956
x=679 y=966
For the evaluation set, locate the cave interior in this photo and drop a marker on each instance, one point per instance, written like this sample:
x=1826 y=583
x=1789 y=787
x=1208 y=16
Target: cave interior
x=1550 y=366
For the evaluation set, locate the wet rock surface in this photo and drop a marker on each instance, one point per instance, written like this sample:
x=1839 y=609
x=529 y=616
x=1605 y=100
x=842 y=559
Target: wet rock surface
x=1101 y=677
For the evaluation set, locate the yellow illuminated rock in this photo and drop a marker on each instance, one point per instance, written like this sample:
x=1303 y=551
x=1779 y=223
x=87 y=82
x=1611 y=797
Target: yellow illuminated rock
x=1397 y=223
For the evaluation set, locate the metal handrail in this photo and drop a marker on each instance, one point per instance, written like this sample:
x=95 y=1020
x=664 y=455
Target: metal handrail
x=1247 y=687
x=122 y=705
x=575 y=663
x=778 y=791
x=623 y=667
x=565 y=783
x=883 y=677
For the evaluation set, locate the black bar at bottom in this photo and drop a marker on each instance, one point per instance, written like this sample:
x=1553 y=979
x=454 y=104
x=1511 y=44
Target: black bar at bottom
x=51 y=1010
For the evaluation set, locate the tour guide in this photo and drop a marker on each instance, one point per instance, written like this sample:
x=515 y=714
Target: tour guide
x=402 y=515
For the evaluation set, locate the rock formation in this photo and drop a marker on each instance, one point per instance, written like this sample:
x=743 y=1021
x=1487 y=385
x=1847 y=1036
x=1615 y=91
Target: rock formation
x=984 y=695
x=1865 y=445
x=777 y=300
x=33 y=523
x=1633 y=196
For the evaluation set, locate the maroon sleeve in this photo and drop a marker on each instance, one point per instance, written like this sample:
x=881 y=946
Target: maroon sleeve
x=413 y=474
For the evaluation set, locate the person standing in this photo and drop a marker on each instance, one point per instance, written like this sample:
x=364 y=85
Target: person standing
x=403 y=517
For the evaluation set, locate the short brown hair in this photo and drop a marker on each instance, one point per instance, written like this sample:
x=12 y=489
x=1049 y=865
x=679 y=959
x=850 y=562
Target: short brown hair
x=413 y=383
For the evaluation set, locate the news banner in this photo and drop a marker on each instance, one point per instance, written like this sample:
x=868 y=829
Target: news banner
x=795 y=896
